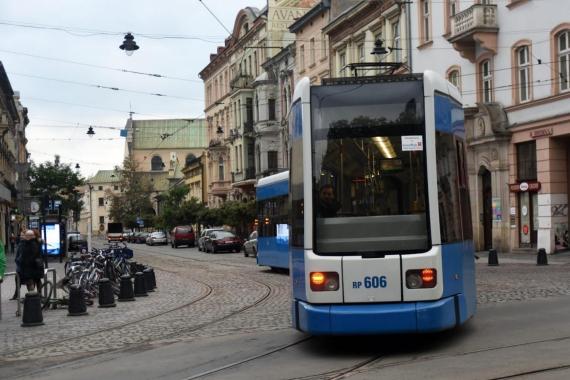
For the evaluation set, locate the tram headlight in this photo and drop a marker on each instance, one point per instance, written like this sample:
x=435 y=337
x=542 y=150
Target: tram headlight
x=421 y=278
x=324 y=281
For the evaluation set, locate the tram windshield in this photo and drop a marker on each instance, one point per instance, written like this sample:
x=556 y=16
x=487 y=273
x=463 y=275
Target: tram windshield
x=369 y=168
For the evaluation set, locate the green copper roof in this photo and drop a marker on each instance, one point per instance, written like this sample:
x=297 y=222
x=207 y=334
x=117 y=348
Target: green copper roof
x=105 y=176
x=169 y=134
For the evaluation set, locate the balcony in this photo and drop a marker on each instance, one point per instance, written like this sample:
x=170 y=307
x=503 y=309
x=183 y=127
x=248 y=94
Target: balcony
x=475 y=26
x=250 y=173
x=220 y=188
x=248 y=127
x=241 y=81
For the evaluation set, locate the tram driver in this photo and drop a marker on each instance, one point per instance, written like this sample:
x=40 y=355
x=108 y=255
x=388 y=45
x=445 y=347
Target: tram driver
x=328 y=205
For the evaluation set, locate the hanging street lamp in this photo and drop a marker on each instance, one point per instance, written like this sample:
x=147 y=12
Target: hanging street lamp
x=129 y=45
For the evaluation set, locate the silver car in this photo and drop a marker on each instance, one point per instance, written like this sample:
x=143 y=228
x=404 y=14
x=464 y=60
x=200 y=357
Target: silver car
x=250 y=246
x=203 y=234
x=156 y=238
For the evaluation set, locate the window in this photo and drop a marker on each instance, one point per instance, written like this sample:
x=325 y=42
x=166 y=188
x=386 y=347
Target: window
x=396 y=41
x=312 y=52
x=302 y=58
x=255 y=63
x=454 y=78
x=101 y=220
x=341 y=62
x=156 y=163
x=272 y=160
x=425 y=20
x=236 y=158
x=361 y=53
x=526 y=161
x=523 y=74
x=272 y=213
x=221 y=169
x=486 y=81
x=323 y=46
x=115 y=187
x=564 y=59
x=101 y=201
x=190 y=158
x=100 y=187
x=271 y=110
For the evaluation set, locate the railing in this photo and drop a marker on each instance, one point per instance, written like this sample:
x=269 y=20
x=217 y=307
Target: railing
x=250 y=173
x=241 y=81
x=248 y=126
x=476 y=16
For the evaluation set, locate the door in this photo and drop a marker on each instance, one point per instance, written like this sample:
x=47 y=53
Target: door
x=528 y=227
x=487 y=220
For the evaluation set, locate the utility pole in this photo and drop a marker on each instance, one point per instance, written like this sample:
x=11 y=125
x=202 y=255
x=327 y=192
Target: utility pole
x=89 y=221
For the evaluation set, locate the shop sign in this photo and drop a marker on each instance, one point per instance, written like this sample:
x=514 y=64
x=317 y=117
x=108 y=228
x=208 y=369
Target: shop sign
x=542 y=133
x=531 y=186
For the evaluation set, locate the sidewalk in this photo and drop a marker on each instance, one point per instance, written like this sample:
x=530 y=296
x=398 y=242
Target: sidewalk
x=524 y=258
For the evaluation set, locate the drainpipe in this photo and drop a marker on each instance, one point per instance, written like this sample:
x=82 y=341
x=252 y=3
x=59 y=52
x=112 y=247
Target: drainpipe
x=409 y=33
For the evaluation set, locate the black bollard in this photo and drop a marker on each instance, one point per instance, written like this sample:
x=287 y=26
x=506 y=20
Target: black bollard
x=153 y=278
x=77 y=304
x=140 y=285
x=148 y=280
x=106 y=296
x=32 y=315
x=493 y=258
x=126 y=293
x=541 y=258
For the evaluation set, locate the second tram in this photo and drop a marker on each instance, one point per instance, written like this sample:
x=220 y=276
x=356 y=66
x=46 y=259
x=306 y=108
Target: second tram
x=381 y=236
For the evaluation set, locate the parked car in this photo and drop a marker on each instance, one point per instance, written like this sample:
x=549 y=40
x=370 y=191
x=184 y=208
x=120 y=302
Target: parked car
x=140 y=237
x=182 y=235
x=250 y=246
x=157 y=237
x=203 y=235
x=218 y=241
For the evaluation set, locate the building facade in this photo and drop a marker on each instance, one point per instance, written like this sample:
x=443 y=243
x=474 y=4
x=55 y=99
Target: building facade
x=516 y=94
x=96 y=205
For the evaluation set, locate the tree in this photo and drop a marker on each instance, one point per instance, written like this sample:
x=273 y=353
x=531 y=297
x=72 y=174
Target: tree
x=239 y=215
x=57 y=182
x=176 y=210
x=133 y=201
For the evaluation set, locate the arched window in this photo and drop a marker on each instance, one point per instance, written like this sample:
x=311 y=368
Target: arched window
x=486 y=81
x=563 y=43
x=190 y=158
x=156 y=163
x=454 y=76
x=523 y=73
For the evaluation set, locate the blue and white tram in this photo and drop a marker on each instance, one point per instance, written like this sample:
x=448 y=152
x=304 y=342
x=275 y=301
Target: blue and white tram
x=272 y=194
x=381 y=235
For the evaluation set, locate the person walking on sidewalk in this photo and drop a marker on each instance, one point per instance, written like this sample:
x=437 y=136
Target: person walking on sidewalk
x=31 y=268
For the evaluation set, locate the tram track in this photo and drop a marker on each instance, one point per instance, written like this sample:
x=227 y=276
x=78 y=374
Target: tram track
x=210 y=291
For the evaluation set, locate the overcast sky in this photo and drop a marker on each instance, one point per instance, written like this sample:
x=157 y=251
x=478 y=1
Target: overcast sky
x=89 y=32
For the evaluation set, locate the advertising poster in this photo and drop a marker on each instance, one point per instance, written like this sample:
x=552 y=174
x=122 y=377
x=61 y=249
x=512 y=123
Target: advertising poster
x=497 y=213
x=52 y=236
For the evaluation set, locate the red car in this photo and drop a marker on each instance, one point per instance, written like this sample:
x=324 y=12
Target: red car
x=182 y=235
x=217 y=241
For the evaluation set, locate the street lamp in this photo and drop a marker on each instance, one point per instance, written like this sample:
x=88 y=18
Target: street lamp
x=90 y=132
x=129 y=45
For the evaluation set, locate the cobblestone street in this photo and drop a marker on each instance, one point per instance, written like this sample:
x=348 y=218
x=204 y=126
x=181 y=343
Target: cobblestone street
x=203 y=295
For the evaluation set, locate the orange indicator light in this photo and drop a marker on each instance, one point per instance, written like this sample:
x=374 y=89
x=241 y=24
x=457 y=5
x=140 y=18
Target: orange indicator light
x=428 y=275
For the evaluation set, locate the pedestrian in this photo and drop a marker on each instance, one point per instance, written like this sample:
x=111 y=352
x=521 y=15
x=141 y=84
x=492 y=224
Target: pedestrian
x=2 y=262
x=17 y=283
x=31 y=268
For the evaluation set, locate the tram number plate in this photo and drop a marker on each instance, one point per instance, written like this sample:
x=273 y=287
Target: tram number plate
x=371 y=282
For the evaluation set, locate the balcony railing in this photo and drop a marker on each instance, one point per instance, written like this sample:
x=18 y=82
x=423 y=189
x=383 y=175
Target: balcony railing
x=250 y=173
x=248 y=126
x=477 y=17
x=241 y=81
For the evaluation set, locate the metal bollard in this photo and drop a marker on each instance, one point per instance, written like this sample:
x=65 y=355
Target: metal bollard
x=32 y=315
x=541 y=258
x=126 y=293
x=153 y=278
x=148 y=280
x=106 y=296
x=140 y=285
x=493 y=258
x=77 y=304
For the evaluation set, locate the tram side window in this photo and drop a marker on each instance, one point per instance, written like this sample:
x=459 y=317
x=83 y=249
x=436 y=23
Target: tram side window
x=448 y=188
x=464 y=202
x=272 y=212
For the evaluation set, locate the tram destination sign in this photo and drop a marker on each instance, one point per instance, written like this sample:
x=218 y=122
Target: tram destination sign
x=531 y=186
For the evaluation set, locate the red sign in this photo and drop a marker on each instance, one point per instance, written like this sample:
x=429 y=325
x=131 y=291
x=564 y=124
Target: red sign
x=542 y=132
x=531 y=186
x=525 y=229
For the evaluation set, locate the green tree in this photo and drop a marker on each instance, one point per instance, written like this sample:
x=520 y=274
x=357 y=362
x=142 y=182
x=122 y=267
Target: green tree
x=239 y=215
x=176 y=210
x=56 y=181
x=134 y=199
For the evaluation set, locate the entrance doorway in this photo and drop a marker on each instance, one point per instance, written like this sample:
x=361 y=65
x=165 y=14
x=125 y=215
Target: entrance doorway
x=487 y=212
x=528 y=211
